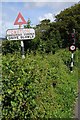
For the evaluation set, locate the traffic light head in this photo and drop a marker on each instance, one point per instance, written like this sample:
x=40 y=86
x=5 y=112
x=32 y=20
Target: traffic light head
x=72 y=38
x=73 y=35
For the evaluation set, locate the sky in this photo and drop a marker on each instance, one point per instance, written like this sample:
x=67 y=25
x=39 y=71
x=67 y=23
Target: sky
x=32 y=9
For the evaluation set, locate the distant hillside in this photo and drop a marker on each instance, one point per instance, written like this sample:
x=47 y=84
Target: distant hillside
x=2 y=38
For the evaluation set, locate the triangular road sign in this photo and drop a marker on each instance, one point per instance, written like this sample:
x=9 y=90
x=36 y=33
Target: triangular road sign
x=17 y=22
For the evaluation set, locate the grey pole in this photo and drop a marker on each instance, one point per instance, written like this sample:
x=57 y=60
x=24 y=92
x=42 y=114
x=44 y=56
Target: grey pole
x=22 y=49
x=22 y=46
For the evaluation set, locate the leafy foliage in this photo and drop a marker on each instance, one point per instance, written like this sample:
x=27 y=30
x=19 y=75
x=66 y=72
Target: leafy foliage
x=50 y=36
x=36 y=86
x=68 y=20
x=28 y=24
x=41 y=85
x=10 y=46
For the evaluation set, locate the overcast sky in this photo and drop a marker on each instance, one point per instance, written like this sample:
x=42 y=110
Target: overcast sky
x=36 y=11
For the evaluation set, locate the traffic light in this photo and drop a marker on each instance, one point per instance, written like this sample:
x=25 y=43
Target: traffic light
x=73 y=39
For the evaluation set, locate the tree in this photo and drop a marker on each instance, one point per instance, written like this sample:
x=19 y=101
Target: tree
x=68 y=20
x=28 y=24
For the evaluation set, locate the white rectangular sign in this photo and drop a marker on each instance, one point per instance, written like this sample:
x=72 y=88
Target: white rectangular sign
x=20 y=34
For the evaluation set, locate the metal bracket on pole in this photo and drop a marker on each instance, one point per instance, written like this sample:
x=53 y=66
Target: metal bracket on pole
x=22 y=49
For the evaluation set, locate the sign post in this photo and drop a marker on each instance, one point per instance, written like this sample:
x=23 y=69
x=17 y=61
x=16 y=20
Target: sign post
x=72 y=63
x=22 y=49
x=20 y=23
x=72 y=48
x=20 y=33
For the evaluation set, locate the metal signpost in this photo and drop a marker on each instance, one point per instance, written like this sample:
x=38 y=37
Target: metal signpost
x=72 y=48
x=20 y=33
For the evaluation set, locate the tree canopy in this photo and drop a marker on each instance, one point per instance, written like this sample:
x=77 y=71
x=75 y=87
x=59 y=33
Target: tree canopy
x=51 y=36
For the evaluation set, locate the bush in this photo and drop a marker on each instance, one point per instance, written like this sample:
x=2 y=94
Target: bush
x=39 y=86
x=10 y=46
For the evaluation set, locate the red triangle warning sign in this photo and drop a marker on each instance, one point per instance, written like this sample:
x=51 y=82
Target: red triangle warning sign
x=17 y=22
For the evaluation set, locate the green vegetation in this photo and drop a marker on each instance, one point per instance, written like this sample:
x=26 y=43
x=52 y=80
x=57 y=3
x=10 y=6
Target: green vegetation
x=79 y=65
x=51 y=36
x=38 y=86
x=41 y=85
